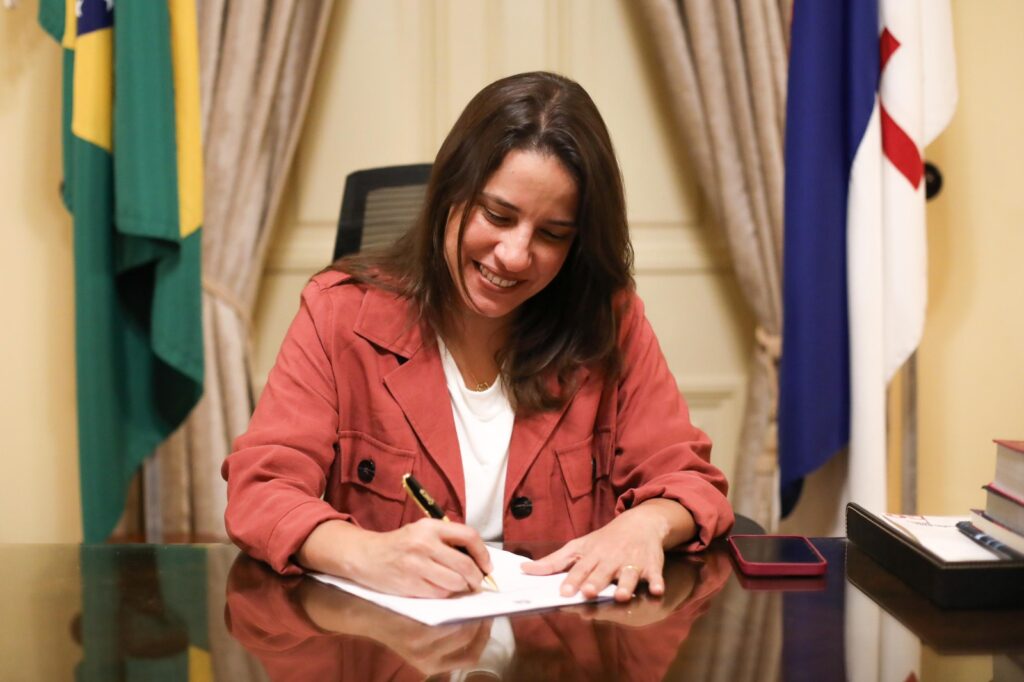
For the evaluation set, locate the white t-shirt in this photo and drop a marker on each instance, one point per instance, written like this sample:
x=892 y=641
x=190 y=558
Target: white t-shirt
x=483 y=424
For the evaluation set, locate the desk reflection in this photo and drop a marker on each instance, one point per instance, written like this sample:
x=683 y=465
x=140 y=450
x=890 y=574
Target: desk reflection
x=300 y=629
x=161 y=612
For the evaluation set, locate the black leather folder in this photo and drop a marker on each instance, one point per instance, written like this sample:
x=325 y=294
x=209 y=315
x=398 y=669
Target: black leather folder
x=949 y=584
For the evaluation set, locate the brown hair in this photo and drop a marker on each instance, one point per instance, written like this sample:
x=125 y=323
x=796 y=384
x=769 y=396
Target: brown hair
x=572 y=322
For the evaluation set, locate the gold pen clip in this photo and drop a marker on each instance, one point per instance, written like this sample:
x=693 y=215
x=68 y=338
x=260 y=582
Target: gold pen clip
x=421 y=497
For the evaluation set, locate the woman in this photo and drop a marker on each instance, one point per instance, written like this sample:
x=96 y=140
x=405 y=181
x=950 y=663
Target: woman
x=499 y=353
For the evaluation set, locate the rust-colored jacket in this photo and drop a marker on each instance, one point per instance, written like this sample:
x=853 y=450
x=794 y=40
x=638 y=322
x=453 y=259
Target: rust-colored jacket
x=357 y=398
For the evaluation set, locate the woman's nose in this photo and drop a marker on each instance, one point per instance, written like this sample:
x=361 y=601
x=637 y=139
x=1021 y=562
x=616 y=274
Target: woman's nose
x=513 y=249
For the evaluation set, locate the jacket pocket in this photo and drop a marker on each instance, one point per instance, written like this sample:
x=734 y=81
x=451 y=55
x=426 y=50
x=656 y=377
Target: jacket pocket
x=604 y=452
x=578 y=467
x=369 y=475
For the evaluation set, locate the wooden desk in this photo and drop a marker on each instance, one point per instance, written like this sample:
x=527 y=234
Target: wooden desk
x=158 y=612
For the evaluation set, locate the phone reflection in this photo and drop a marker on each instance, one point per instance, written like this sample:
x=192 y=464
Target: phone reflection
x=300 y=629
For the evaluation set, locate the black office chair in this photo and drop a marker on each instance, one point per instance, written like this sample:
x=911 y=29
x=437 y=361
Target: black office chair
x=746 y=526
x=378 y=206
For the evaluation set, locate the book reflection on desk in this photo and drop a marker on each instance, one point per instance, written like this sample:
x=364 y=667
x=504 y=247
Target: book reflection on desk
x=1008 y=668
x=947 y=632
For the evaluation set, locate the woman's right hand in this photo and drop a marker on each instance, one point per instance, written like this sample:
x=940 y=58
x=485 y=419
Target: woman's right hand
x=419 y=559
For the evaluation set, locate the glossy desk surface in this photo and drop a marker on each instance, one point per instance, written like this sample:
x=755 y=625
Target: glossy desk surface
x=204 y=612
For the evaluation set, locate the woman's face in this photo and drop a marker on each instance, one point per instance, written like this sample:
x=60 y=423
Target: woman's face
x=517 y=237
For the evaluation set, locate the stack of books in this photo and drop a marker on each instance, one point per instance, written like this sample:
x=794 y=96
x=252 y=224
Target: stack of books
x=1003 y=517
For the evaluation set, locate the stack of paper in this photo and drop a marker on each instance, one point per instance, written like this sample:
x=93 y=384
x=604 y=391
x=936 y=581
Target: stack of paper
x=518 y=592
x=939 y=535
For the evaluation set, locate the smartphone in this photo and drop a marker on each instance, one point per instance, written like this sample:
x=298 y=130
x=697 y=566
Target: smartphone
x=776 y=555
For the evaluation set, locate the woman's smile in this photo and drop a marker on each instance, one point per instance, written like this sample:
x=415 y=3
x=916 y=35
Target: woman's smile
x=517 y=236
x=494 y=279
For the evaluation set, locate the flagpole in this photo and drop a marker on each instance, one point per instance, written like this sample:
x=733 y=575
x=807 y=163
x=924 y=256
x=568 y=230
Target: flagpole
x=908 y=437
x=908 y=394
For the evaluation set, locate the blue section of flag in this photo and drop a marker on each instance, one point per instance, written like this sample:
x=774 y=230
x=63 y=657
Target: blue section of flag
x=833 y=80
x=95 y=15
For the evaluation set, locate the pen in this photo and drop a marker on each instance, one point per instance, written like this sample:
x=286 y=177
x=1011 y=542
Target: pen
x=422 y=498
x=1000 y=549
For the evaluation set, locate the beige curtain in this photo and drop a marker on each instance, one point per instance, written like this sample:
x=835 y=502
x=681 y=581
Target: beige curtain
x=724 y=65
x=258 y=60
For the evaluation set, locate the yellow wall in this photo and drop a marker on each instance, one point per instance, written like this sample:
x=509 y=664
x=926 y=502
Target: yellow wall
x=39 y=499
x=971 y=361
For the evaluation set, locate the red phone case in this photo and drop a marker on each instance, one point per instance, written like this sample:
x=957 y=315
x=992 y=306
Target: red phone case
x=777 y=568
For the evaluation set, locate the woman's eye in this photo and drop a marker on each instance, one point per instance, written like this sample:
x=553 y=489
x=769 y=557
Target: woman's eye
x=495 y=218
x=555 y=236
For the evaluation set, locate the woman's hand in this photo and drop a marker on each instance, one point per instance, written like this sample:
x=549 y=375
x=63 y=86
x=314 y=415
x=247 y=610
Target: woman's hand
x=417 y=560
x=629 y=549
x=683 y=576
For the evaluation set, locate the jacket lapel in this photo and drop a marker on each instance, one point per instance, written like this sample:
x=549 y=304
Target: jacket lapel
x=529 y=434
x=417 y=385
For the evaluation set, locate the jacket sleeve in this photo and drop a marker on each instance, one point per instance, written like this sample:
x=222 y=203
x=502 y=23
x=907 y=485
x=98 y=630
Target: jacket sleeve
x=278 y=470
x=659 y=452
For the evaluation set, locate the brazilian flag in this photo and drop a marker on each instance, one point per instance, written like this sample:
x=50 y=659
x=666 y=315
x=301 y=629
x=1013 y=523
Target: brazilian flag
x=133 y=184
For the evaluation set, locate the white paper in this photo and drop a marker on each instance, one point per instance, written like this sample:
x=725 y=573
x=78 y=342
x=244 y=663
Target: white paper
x=517 y=592
x=939 y=535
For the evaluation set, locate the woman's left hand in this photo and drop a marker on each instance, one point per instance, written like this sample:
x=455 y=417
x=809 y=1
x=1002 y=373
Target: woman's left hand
x=628 y=549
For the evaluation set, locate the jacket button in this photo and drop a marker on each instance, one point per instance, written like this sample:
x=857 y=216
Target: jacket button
x=522 y=507
x=367 y=470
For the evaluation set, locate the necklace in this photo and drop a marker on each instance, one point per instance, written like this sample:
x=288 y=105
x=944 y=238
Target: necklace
x=477 y=385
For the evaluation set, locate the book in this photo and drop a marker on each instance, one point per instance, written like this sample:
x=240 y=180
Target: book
x=957 y=583
x=1010 y=466
x=1005 y=507
x=990 y=525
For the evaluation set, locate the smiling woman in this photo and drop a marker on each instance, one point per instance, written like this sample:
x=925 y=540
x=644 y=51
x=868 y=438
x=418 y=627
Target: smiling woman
x=509 y=248
x=500 y=354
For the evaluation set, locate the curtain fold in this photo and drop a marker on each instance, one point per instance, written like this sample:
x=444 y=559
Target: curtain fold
x=724 y=67
x=258 y=61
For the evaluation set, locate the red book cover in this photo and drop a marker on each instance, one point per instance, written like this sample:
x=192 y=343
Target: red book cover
x=1016 y=445
x=1003 y=492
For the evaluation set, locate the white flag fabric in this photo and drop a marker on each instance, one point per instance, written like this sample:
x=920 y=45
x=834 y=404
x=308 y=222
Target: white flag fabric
x=886 y=240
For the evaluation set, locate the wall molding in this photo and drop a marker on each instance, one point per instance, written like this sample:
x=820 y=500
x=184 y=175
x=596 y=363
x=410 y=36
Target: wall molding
x=677 y=247
x=712 y=393
x=716 y=407
x=659 y=247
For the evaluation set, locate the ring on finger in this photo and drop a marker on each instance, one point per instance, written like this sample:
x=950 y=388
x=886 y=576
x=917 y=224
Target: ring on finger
x=631 y=567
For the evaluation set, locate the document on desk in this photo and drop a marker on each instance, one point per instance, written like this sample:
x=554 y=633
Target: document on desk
x=939 y=535
x=518 y=592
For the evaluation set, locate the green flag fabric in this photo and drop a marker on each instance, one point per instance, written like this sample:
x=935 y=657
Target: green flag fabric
x=133 y=184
